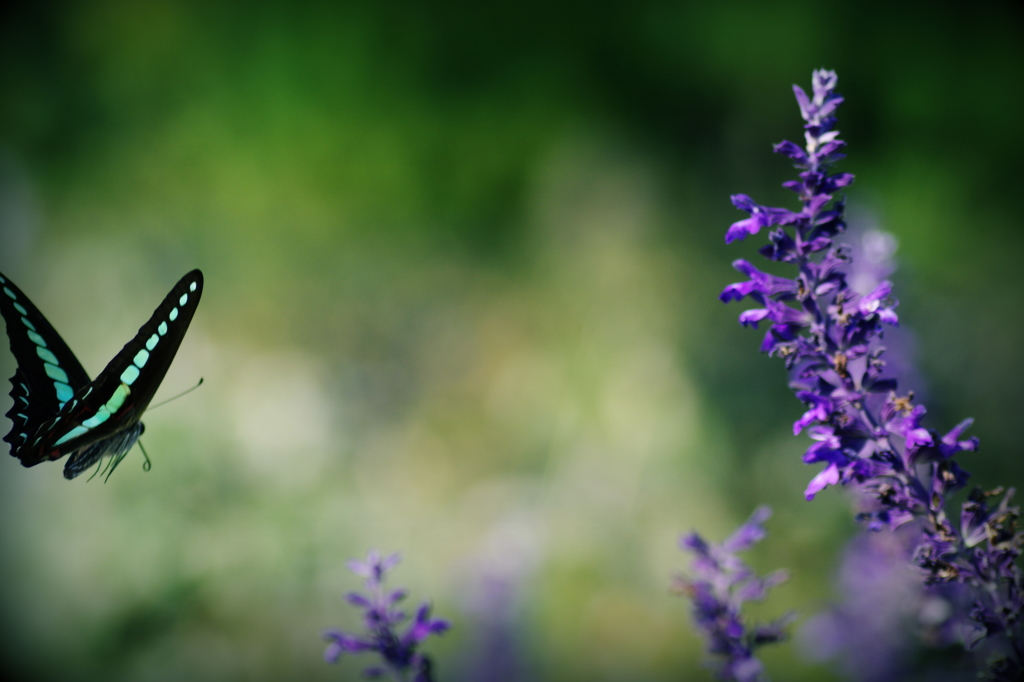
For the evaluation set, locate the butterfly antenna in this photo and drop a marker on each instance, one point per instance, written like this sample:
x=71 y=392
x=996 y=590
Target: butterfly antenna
x=153 y=407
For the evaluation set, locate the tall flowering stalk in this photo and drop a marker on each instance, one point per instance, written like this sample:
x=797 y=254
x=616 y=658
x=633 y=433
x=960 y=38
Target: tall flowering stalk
x=886 y=618
x=865 y=432
x=720 y=584
x=380 y=618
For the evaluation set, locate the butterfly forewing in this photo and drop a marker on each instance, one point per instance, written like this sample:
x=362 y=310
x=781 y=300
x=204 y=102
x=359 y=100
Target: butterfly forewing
x=48 y=372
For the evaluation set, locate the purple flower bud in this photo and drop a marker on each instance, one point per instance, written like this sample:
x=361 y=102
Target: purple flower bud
x=423 y=626
x=760 y=286
x=760 y=216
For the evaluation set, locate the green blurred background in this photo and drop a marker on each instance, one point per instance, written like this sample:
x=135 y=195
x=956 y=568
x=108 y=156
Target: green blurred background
x=461 y=271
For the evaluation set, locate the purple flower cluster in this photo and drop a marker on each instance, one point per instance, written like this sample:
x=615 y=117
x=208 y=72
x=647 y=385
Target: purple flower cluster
x=720 y=586
x=886 y=620
x=398 y=653
x=865 y=433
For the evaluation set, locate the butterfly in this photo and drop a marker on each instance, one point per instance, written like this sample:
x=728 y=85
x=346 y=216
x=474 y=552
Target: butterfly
x=58 y=411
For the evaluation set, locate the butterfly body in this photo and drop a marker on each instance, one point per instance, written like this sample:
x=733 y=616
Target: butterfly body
x=58 y=410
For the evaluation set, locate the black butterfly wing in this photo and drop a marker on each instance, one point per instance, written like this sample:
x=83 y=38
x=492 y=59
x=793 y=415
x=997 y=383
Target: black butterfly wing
x=114 y=402
x=48 y=372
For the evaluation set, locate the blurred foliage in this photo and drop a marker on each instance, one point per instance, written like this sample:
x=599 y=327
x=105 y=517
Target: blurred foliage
x=462 y=263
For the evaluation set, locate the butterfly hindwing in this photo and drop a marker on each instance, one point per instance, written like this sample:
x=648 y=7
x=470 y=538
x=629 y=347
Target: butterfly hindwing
x=102 y=416
x=48 y=372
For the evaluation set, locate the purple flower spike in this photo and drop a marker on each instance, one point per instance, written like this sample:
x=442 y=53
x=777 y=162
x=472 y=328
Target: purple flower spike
x=398 y=652
x=721 y=583
x=866 y=434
